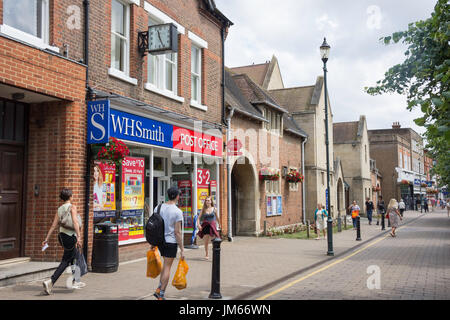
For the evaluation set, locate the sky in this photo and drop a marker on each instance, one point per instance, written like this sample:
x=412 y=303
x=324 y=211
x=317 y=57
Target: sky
x=293 y=31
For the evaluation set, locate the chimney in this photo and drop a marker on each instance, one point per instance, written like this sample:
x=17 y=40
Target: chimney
x=396 y=125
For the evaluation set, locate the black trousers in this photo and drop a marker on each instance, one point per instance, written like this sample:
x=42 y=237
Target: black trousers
x=69 y=245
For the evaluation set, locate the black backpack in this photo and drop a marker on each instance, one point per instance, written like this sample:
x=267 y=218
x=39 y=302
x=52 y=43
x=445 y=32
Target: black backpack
x=154 y=229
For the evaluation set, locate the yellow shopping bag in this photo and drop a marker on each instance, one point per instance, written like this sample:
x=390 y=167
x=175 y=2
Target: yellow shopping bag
x=154 y=264
x=179 y=279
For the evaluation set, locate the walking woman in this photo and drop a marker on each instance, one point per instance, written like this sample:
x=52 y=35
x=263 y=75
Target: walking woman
x=68 y=238
x=320 y=218
x=209 y=226
x=394 y=215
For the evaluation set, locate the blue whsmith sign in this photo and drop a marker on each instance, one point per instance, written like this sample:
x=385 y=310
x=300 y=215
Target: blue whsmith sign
x=98 y=121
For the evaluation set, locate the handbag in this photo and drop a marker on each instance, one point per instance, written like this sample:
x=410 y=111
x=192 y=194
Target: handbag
x=67 y=221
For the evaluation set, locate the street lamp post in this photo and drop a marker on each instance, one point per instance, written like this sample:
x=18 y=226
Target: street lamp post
x=420 y=190
x=325 y=52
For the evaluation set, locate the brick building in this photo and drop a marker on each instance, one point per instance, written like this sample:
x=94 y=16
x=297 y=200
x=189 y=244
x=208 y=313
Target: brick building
x=264 y=137
x=399 y=156
x=43 y=125
x=179 y=94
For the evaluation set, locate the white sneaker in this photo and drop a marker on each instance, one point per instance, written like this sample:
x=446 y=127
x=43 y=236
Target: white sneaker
x=78 y=285
x=68 y=270
x=69 y=282
x=48 y=285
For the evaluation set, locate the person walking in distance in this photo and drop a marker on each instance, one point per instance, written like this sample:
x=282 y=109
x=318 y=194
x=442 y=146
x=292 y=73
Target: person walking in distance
x=68 y=238
x=394 y=216
x=425 y=204
x=381 y=208
x=209 y=226
x=401 y=207
x=320 y=218
x=173 y=218
x=369 y=209
x=354 y=209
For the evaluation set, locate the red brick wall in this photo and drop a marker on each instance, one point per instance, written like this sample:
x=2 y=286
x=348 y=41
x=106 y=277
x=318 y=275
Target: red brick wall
x=56 y=137
x=289 y=156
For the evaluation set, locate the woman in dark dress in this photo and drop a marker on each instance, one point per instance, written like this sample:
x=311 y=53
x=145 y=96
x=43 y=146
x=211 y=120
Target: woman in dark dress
x=210 y=224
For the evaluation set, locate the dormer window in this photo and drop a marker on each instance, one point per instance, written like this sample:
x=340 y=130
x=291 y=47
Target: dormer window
x=275 y=124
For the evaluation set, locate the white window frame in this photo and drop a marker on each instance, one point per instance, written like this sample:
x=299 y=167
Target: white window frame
x=201 y=45
x=157 y=66
x=275 y=122
x=41 y=43
x=196 y=73
x=123 y=75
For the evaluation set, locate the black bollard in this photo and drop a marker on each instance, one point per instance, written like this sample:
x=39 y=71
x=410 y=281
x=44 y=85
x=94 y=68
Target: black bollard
x=358 y=228
x=215 y=279
x=382 y=221
x=307 y=228
x=330 y=251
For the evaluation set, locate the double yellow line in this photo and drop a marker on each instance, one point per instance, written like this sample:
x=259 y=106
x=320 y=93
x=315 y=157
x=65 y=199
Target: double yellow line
x=290 y=284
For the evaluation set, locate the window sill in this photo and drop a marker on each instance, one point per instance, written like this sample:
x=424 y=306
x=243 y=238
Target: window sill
x=165 y=93
x=198 y=106
x=27 y=38
x=122 y=76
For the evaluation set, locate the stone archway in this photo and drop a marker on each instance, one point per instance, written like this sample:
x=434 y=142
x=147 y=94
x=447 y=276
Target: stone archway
x=244 y=198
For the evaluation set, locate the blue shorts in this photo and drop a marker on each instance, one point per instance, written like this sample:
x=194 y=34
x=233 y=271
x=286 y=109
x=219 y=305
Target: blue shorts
x=169 y=250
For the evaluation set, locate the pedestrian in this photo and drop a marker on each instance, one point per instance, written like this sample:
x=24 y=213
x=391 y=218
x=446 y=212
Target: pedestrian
x=401 y=207
x=354 y=209
x=210 y=223
x=173 y=218
x=320 y=220
x=425 y=204
x=381 y=209
x=394 y=216
x=417 y=204
x=369 y=209
x=69 y=240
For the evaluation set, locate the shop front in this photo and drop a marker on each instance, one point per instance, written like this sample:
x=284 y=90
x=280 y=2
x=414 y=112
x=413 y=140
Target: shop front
x=163 y=152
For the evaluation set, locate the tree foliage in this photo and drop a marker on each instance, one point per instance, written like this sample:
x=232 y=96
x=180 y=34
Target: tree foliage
x=424 y=78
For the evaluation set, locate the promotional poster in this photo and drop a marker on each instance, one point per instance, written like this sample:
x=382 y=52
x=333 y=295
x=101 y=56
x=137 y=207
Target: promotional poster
x=104 y=187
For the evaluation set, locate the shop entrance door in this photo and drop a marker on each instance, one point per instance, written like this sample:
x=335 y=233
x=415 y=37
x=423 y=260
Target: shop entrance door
x=160 y=186
x=12 y=159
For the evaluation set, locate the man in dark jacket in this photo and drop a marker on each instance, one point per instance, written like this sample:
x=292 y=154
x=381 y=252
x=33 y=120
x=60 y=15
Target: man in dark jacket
x=369 y=209
x=382 y=211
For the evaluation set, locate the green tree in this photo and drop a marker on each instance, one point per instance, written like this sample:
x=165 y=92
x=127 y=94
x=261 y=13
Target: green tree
x=424 y=78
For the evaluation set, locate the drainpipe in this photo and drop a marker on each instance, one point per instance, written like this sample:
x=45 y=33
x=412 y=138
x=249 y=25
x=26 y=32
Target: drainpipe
x=223 y=73
x=230 y=231
x=304 y=181
x=88 y=149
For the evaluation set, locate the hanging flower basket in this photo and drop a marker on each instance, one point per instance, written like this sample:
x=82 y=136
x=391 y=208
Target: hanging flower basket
x=406 y=182
x=269 y=174
x=114 y=152
x=294 y=177
x=423 y=185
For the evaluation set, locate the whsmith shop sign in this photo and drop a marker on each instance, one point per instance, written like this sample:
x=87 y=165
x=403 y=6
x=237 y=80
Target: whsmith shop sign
x=105 y=122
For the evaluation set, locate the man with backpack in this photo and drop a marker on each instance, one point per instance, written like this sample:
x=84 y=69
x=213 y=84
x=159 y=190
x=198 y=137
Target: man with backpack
x=172 y=218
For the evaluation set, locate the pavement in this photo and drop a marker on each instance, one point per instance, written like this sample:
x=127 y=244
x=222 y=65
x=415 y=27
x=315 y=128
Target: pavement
x=248 y=265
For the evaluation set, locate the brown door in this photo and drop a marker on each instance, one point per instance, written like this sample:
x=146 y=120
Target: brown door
x=11 y=184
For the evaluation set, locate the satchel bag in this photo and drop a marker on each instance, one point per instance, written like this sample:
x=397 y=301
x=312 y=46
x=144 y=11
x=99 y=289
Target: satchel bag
x=67 y=221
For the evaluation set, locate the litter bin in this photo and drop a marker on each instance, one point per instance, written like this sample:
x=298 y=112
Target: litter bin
x=105 y=248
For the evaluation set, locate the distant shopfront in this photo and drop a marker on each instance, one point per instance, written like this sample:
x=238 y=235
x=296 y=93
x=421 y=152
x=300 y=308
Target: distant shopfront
x=163 y=153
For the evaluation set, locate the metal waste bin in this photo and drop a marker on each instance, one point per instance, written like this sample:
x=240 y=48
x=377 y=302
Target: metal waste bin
x=105 y=248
